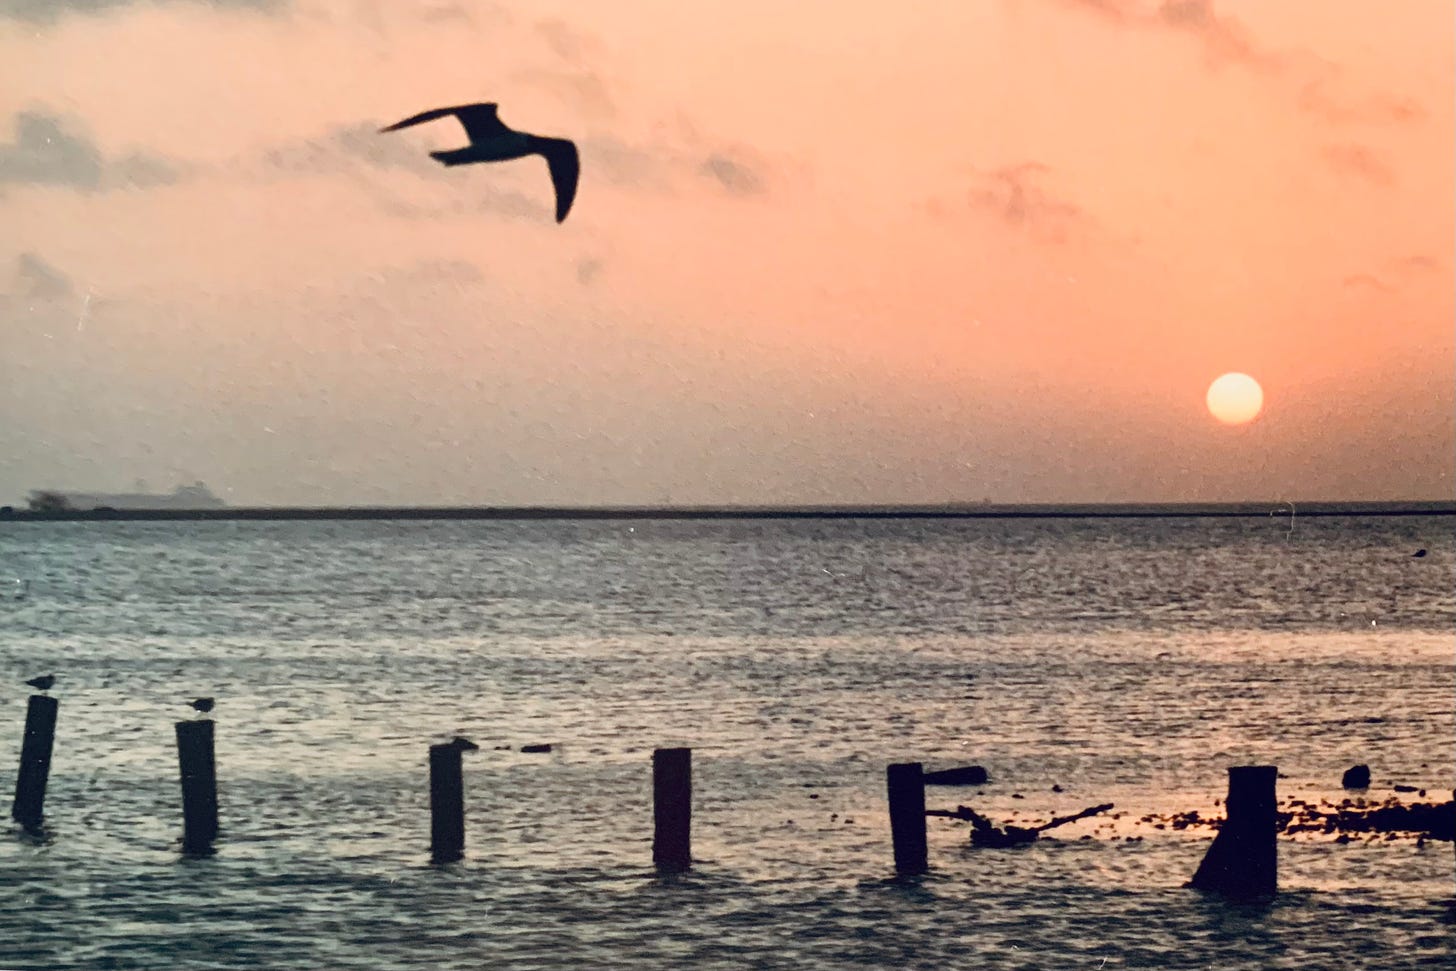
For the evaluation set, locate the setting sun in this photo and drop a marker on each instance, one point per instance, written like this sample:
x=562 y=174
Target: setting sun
x=1235 y=398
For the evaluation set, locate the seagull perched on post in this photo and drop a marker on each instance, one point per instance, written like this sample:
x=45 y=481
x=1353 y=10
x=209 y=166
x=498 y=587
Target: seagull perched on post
x=42 y=683
x=492 y=141
x=201 y=705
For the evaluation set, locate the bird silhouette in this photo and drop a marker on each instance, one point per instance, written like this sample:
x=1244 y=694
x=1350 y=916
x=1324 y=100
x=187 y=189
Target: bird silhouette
x=463 y=744
x=492 y=141
x=202 y=705
x=42 y=683
x=1419 y=553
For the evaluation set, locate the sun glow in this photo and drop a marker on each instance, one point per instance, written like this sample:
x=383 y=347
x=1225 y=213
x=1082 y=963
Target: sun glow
x=1235 y=398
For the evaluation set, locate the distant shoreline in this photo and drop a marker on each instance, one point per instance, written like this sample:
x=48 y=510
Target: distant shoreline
x=949 y=511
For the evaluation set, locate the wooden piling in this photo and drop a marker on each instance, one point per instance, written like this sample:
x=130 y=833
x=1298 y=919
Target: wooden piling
x=35 y=762
x=197 y=761
x=672 y=809
x=905 y=783
x=1242 y=861
x=447 y=804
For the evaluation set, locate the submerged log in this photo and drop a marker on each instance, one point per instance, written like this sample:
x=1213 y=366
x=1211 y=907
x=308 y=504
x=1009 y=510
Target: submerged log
x=970 y=775
x=988 y=834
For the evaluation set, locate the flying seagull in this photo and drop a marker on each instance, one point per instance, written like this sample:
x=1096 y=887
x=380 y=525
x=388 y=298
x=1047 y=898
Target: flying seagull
x=202 y=705
x=492 y=141
x=42 y=683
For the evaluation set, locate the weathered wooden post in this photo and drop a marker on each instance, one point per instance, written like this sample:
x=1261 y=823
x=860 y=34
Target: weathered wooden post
x=196 y=760
x=35 y=762
x=906 y=786
x=672 y=809
x=447 y=804
x=1243 y=859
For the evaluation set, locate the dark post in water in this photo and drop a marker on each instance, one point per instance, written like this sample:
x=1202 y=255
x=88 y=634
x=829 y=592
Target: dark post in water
x=672 y=809
x=906 y=785
x=195 y=757
x=35 y=762
x=447 y=804
x=1243 y=859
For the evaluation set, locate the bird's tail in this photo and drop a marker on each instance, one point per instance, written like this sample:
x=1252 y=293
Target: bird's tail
x=457 y=156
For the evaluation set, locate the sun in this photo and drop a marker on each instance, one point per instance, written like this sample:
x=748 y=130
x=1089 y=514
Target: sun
x=1235 y=398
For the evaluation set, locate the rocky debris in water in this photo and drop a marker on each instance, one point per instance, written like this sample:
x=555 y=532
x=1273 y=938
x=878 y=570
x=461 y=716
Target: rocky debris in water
x=1392 y=818
x=1432 y=820
x=1356 y=777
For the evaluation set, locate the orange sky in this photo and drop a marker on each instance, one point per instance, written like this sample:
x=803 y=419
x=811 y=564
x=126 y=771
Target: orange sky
x=822 y=251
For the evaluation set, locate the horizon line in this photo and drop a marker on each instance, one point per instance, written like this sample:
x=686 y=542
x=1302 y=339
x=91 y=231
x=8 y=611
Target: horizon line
x=949 y=510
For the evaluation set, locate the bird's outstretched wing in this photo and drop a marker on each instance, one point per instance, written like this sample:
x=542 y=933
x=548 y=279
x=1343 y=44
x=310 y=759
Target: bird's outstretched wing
x=565 y=165
x=479 y=120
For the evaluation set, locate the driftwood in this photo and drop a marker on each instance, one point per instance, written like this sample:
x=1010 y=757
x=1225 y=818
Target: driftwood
x=986 y=833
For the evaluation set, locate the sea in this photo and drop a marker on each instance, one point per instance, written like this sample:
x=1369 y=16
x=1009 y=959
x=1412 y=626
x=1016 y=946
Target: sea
x=1080 y=661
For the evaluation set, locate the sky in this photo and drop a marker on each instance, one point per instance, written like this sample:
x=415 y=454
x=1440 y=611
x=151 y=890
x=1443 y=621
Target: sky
x=822 y=252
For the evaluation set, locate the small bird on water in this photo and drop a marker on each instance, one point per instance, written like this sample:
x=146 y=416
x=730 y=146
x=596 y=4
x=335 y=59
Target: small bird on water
x=492 y=141
x=201 y=705
x=1419 y=553
x=42 y=683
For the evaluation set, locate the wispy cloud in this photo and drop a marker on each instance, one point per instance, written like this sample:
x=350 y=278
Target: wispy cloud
x=430 y=275
x=47 y=12
x=1016 y=197
x=1360 y=162
x=1418 y=264
x=735 y=174
x=1322 y=97
x=1224 y=39
x=1317 y=86
x=360 y=150
x=587 y=270
x=35 y=279
x=46 y=151
x=1366 y=281
x=358 y=144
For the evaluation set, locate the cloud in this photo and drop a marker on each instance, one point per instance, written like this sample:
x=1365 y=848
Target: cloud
x=360 y=150
x=738 y=176
x=350 y=147
x=45 y=152
x=587 y=270
x=430 y=275
x=1359 y=162
x=1322 y=98
x=485 y=199
x=1224 y=39
x=1418 y=263
x=622 y=163
x=583 y=90
x=1317 y=85
x=570 y=43
x=1013 y=195
x=38 y=280
x=49 y=11
x=1365 y=281
x=1115 y=11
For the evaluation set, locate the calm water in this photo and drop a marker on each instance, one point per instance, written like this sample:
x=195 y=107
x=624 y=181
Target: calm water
x=1125 y=661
